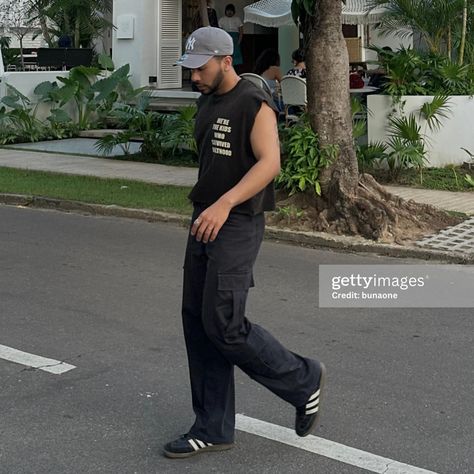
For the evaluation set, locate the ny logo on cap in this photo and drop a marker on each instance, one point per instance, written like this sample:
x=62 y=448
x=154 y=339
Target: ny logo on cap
x=190 y=43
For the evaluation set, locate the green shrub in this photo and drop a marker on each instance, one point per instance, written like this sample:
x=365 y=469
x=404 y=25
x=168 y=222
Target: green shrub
x=92 y=100
x=162 y=135
x=18 y=116
x=411 y=72
x=178 y=131
x=304 y=159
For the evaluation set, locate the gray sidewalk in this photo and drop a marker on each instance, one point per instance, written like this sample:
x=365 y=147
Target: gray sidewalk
x=99 y=167
x=181 y=176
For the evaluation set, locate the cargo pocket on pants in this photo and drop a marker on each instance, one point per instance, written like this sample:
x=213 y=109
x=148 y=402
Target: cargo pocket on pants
x=233 y=290
x=235 y=281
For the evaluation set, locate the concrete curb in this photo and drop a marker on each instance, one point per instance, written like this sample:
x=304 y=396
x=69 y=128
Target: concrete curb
x=307 y=239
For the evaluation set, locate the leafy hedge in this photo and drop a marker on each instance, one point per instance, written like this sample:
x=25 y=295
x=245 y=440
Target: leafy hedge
x=410 y=72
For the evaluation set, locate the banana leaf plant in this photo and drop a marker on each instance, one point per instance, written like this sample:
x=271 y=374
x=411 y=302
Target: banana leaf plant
x=20 y=115
x=92 y=98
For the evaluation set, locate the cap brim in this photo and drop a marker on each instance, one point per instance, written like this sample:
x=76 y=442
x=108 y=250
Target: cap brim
x=193 y=61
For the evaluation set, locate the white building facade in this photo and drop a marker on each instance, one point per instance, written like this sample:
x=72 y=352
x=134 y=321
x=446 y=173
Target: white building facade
x=149 y=35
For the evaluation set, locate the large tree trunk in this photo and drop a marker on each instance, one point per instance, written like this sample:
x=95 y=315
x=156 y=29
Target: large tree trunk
x=350 y=203
x=330 y=117
x=328 y=95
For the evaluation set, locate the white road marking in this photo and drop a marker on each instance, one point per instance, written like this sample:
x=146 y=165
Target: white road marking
x=31 y=360
x=324 y=447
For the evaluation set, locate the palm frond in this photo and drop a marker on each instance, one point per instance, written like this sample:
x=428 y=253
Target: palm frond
x=105 y=145
x=405 y=128
x=433 y=111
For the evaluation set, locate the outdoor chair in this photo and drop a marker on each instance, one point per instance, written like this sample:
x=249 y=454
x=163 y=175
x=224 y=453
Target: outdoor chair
x=263 y=84
x=258 y=81
x=293 y=93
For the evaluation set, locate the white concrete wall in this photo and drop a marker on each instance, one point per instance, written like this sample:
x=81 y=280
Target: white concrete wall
x=140 y=51
x=288 y=41
x=444 y=145
x=26 y=83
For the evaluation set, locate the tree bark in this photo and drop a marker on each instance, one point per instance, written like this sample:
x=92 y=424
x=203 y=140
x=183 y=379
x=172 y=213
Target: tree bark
x=350 y=204
x=328 y=96
x=22 y=58
x=45 y=30
x=463 y=34
x=203 y=13
x=329 y=101
x=77 y=32
x=449 y=43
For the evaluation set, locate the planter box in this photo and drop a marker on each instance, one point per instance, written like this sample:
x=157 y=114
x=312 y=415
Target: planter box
x=26 y=83
x=444 y=146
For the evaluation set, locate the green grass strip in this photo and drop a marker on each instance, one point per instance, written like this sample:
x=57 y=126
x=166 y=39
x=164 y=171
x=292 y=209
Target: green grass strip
x=444 y=179
x=121 y=192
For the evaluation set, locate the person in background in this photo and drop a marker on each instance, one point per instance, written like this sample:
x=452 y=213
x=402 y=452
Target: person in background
x=299 y=66
x=268 y=66
x=234 y=26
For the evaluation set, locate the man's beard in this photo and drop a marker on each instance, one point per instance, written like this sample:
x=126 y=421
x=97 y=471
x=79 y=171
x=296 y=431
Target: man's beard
x=212 y=88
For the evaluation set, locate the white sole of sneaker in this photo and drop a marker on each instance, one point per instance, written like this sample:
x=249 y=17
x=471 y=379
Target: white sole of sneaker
x=214 y=447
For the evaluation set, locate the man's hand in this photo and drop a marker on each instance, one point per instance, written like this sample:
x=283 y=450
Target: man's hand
x=209 y=222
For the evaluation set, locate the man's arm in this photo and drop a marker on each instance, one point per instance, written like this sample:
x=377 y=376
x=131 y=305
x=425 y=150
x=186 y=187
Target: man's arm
x=266 y=148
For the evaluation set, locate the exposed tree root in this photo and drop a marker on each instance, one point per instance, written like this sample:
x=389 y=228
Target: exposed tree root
x=371 y=212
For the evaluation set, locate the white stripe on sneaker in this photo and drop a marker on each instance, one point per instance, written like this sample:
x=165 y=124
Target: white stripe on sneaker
x=315 y=394
x=201 y=443
x=193 y=444
x=312 y=404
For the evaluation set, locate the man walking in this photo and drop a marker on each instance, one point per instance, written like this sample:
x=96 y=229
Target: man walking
x=239 y=155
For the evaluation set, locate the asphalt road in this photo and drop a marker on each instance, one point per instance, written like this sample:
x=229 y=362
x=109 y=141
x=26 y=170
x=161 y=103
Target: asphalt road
x=103 y=294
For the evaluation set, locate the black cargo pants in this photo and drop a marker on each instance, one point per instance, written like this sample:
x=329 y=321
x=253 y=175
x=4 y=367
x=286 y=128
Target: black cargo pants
x=217 y=277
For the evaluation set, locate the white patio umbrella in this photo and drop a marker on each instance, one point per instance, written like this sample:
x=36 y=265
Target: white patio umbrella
x=273 y=13
x=277 y=13
x=358 y=12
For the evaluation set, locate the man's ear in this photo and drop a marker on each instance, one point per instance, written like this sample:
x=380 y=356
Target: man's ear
x=227 y=63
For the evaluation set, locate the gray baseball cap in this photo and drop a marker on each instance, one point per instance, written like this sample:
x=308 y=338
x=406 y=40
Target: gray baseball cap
x=203 y=44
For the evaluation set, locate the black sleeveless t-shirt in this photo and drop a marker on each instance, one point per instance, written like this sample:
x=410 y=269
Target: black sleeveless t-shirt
x=222 y=132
